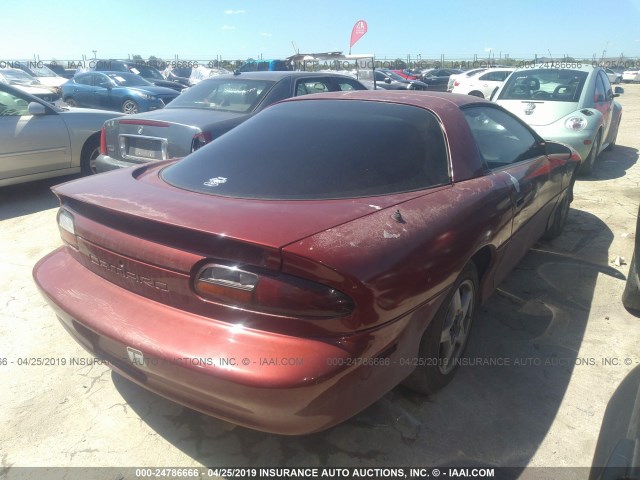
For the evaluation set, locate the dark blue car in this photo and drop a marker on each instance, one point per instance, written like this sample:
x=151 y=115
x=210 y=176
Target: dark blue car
x=120 y=91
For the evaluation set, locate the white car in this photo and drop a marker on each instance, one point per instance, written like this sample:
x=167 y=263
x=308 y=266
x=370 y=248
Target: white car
x=483 y=83
x=468 y=73
x=631 y=75
x=44 y=74
x=26 y=83
x=614 y=77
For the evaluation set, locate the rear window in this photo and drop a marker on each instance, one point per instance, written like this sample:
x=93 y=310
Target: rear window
x=320 y=149
x=544 y=84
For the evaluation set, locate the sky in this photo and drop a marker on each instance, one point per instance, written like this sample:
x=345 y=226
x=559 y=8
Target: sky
x=241 y=29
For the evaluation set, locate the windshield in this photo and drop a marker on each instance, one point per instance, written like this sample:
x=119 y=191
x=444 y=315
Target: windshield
x=124 y=79
x=228 y=94
x=547 y=84
x=394 y=76
x=42 y=71
x=184 y=72
x=146 y=72
x=17 y=77
x=320 y=149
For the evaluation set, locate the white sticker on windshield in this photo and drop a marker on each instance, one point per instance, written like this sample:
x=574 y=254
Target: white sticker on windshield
x=119 y=78
x=135 y=70
x=214 y=182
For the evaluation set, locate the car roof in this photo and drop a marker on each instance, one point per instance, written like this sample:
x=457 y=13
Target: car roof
x=438 y=102
x=277 y=75
x=541 y=66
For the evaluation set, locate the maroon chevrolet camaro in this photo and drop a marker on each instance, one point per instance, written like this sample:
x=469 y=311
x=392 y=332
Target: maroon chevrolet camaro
x=293 y=271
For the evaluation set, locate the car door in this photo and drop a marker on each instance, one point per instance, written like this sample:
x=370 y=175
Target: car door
x=603 y=100
x=30 y=144
x=514 y=153
x=103 y=92
x=82 y=90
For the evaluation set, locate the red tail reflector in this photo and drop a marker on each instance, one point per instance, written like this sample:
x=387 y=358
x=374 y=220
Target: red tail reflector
x=103 y=141
x=280 y=295
x=200 y=140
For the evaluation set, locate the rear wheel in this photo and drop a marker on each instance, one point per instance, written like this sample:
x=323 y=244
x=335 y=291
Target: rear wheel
x=476 y=93
x=130 y=107
x=586 y=167
x=90 y=152
x=560 y=215
x=446 y=337
x=631 y=294
x=612 y=145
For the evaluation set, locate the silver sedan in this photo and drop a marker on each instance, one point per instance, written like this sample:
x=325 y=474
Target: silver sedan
x=39 y=140
x=575 y=106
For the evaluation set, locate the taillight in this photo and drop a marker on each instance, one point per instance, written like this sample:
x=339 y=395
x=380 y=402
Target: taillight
x=103 y=141
x=66 y=224
x=200 y=140
x=456 y=83
x=280 y=294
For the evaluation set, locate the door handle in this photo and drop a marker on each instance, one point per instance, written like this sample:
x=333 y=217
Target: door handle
x=519 y=200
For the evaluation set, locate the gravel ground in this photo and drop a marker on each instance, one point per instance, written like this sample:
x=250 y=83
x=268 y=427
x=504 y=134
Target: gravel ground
x=557 y=319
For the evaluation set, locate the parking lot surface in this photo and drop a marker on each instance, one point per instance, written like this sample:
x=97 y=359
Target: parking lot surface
x=559 y=341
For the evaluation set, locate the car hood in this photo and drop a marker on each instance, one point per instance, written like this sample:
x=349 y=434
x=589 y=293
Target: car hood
x=52 y=81
x=541 y=113
x=140 y=192
x=195 y=117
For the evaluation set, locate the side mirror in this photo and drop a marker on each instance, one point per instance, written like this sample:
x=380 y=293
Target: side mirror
x=36 y=108
x=617 y=91
x=387 y=80
x=558 y=150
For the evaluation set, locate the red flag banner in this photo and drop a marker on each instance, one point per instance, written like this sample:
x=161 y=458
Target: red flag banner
x=359 y=29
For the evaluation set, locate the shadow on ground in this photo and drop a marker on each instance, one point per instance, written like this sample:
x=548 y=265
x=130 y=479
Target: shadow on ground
x=613 y=164
x=490 y=415
x=26 y=198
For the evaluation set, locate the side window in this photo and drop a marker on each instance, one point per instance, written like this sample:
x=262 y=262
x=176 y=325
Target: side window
x=380 y=77
x=345 y=85
x=599 y=95
x=102 y=81
x=84 y=79
x=607 y=86
x=12 y=105
x=502 y=140
x=492 y=77
x=311 y=86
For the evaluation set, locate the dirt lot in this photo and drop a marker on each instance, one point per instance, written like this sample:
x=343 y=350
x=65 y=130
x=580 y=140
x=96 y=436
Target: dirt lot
x=557 y=320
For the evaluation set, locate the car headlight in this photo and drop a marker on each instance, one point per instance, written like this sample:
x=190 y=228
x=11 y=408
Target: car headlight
x=575 y=124
x=146 y=96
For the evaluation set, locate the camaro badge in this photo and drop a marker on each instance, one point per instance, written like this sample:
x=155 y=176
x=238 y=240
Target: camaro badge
x=140 y=130
x=214 y=182
x=136 y=356
x=529 y=108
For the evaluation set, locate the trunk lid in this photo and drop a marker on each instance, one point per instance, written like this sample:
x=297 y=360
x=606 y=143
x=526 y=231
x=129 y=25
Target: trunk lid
x=161 y=134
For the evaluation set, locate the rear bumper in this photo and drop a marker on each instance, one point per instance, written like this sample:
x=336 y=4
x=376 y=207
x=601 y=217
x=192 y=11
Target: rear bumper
x=105 y=163
x=262 y=380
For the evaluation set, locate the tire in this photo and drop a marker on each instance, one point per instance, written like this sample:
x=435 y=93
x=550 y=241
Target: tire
x=631 y=294
x=436 y=343
x=560 y=215
x=612 y=145
x=586 y=167
x=70 y=101
x=90 y=152
x=476 y=93
x=130 y=107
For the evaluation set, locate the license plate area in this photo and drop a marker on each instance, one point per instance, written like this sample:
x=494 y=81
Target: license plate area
x=142 y=147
